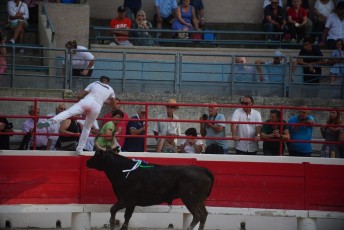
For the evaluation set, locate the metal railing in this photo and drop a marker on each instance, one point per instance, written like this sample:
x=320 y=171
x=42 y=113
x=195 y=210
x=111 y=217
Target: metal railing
x=168 y=72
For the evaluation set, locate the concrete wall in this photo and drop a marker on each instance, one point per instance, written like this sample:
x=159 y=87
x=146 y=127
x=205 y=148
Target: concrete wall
x=71 y=22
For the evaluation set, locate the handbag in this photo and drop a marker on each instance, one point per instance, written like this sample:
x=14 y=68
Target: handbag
x=68 y=145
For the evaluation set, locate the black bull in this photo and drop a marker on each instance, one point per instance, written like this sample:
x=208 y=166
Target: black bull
x=148 y=184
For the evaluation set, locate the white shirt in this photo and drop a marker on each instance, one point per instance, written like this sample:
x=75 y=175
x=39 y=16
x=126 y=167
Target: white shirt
x=246 y=130
x=335 y=26
x=40 y=140
x=13 y=9
x=324 y=9
x=99 y=92
x=81 y=59
x=162 y=127
x=190 y=148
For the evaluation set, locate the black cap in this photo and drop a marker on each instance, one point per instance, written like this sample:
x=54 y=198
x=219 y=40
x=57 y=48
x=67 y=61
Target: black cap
x=121 y=9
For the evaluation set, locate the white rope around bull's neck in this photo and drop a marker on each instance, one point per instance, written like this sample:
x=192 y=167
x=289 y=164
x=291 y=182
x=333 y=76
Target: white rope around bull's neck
x=138 y=163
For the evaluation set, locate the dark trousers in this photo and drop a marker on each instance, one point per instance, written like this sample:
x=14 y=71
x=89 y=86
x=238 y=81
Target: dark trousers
x=77 y=72
x=239 y=152
x=294 y=153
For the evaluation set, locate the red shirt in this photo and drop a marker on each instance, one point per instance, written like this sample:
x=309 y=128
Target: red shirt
x=121 y=23
x=122 y=125
x=297 y=16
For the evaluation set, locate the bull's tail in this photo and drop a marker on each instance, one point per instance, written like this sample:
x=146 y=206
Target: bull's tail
x=211 y=176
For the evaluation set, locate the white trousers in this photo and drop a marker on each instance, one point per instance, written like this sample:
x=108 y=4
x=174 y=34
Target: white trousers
x=86 y=106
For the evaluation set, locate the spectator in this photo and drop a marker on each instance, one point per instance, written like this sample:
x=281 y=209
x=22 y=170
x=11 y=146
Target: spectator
x=185 y=19
x=82 y=61
x=168 y=144
x=341 y=140
x=274 y=20
x=274 y=132
x=334 y=27
x=107 y=135
x=199 y=10
x=18 y=14
x=297 y=20
x=171 y=124
x=300 y=130
x=144 y=38
x=132 y=7
x=192 y=145
x=331 y=133
x=311 y=65
x=164 y=12
x=276 y=73
x=252 y=131
x=136 y=127
x=122 y=125
x=94 y=131
x=5 y=127
x=267 y=2
x=119 y=23
x=3 y=54
x=322 y=9
x=337 y=70
x=304 y=5
x=42 y=141
x=214 y=129
x=92 y=99
x=55 y=127
x=69 y=127
x=243 y=72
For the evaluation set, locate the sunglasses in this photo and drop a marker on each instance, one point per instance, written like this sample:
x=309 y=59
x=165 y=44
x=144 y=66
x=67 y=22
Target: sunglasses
x=171 y=107
x=143 y=112
x=245 y=103
x=274 y=2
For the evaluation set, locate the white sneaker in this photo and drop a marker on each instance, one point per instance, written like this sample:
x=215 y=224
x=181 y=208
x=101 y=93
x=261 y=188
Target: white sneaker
x=12 y=41
x=79 y=152
x=44 y=124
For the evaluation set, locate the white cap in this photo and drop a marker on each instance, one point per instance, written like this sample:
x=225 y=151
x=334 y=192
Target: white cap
x=278 y=54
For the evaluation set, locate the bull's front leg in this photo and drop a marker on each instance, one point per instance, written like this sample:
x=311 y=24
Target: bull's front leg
x=114 y=209
x=127 y=215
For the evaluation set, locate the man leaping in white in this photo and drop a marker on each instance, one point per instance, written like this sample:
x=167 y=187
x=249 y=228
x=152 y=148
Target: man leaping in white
x=91 y=101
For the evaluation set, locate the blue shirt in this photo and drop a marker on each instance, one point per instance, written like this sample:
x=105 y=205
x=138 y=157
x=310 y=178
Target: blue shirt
x=166 y=7
x=211 y=133
x=300 y=133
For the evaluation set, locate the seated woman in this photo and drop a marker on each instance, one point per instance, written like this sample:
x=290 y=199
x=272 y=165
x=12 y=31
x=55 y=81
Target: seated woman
x=185 y=19
x=18 y=14
x=297 y=20
x=192 y=145
x=144 y=38
x=66 y=141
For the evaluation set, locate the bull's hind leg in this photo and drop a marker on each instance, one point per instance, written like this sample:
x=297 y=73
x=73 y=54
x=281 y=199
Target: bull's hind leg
x=114 y=209
x=127 y=215
x=204 y=213
x=192 y=206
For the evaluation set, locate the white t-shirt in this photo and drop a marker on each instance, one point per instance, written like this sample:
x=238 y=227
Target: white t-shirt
x=82 y=58
x=190 y=148
x=324 y=9
x=99 y=92
x=246 y=130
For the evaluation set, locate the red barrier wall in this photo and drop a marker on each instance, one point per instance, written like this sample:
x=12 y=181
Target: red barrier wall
x=65 y=180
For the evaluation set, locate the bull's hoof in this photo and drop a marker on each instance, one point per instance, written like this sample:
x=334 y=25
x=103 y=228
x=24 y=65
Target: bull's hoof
x=124 y=227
